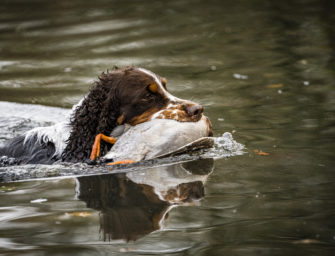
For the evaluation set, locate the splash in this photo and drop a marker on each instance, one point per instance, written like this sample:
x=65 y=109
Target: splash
x=224 y=147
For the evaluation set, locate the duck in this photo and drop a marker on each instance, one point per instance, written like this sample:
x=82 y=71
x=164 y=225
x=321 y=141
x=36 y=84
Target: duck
x=158 y=138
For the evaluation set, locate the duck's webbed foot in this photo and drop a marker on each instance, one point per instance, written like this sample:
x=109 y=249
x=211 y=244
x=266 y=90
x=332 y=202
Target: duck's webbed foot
x=127 y=161
x=95 y=153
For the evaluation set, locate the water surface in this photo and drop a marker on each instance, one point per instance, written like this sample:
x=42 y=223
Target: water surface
x=263 y=70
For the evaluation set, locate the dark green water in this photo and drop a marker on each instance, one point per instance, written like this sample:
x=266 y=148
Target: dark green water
x=264 y=70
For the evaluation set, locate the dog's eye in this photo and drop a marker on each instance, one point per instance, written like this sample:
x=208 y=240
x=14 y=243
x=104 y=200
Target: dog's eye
x=148 y=97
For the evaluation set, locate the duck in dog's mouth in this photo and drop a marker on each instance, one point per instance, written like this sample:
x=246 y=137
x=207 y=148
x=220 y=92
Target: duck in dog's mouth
x=155 y=138
x=161 y=129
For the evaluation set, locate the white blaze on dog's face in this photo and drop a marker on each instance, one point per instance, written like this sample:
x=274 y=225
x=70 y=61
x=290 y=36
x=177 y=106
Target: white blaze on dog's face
x=162 y=85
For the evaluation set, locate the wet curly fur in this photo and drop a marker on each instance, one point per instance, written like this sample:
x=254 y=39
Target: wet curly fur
x=98 y=113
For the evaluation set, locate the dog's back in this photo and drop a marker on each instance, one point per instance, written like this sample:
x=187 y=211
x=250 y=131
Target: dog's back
x=21 y=150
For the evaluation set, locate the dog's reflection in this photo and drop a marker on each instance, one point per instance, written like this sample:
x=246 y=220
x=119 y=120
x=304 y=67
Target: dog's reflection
x=136 y=203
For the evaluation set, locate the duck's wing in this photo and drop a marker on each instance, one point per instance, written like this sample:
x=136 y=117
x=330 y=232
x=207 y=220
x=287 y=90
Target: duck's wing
x=204 y=142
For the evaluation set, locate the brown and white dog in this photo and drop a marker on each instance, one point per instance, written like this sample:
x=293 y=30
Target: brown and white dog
x=128 y=95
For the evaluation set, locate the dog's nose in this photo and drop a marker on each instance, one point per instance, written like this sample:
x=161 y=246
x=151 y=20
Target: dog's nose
x=194 y=110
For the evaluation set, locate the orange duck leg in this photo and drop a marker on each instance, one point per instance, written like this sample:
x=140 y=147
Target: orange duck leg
x=96 y=146
x=127 y=161
x=96 y=149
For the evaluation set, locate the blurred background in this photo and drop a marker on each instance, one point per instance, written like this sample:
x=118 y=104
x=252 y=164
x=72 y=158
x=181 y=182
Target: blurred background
x=263 y=70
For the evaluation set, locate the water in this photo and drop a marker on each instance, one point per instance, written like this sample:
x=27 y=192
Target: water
x=264 y=72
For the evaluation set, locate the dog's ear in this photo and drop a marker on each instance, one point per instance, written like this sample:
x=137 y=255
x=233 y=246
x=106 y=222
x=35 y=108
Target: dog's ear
x=110 y=112
x=98 y=113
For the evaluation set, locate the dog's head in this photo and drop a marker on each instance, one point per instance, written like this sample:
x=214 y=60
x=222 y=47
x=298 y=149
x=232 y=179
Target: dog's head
x=143 y=95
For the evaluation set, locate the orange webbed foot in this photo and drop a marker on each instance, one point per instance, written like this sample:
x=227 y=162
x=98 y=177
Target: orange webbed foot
x=127 y=161
x=96 y=146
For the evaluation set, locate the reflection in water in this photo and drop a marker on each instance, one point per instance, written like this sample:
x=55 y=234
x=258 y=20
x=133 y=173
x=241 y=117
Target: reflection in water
x=282 y=203
x=135 y=204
